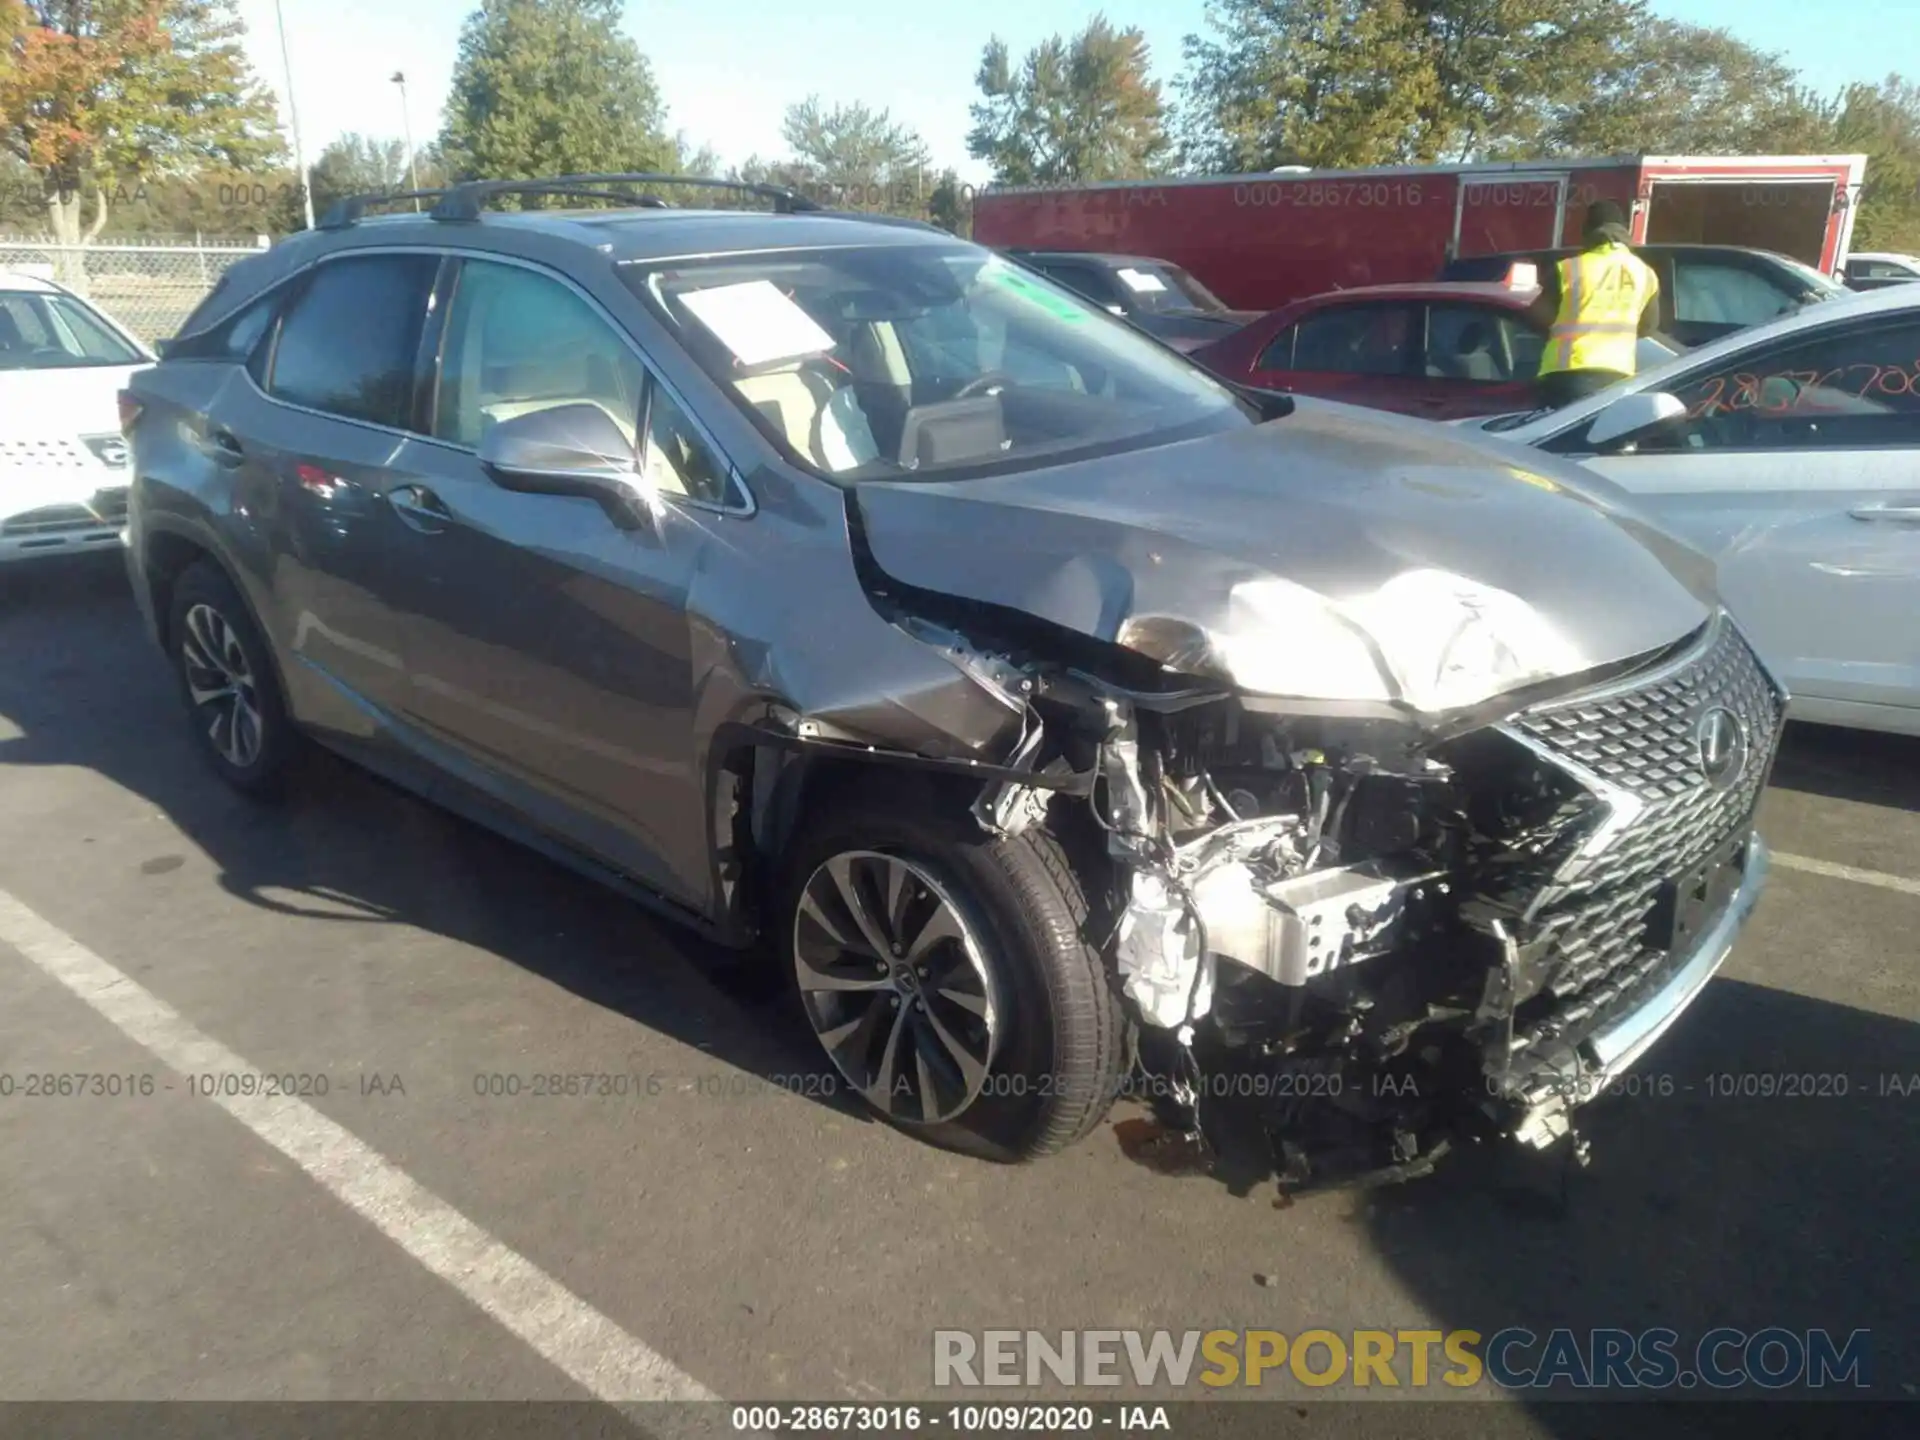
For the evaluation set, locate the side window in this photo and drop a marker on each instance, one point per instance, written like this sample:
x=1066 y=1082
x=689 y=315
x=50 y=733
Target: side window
x=1480 y=343
x=1707 y=292
x=232 y=339
x=1279 y=352
x=348 y=343
x=1354 y=340
x=677 y=461
x=23 y=325
x=1841 y=388
x=518 y=342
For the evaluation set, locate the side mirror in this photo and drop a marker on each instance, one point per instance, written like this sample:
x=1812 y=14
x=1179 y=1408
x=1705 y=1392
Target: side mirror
x=574 y=449
x=1631 y=414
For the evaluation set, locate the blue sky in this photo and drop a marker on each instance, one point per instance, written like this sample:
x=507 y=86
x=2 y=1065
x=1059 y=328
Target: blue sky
x=729 y=68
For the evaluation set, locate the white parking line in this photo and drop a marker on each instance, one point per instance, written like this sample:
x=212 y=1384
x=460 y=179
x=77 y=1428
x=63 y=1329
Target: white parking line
x=1848 y=872
x=566 y=1330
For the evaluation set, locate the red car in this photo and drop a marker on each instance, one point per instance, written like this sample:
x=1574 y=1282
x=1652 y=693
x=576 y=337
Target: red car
x=1439 y=350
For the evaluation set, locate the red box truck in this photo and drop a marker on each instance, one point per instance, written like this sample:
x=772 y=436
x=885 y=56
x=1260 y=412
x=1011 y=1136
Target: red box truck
x=1259 y=241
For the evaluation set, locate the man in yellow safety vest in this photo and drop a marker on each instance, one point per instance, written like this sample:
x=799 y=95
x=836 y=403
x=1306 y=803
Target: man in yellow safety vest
x=1607 y=296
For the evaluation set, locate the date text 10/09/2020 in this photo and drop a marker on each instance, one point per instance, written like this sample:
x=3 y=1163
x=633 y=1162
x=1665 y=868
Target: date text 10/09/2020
x=956 y=1419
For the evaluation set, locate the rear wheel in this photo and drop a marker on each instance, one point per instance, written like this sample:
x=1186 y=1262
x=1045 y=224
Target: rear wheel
x=950 y=976
x=237 y=714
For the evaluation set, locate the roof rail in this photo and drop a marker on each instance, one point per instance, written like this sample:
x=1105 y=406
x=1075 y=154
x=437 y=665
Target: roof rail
x=347 y=211
x=464 y=201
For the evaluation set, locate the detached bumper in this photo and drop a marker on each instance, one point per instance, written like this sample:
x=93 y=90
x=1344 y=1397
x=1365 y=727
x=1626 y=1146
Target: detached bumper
x=1549 y=1094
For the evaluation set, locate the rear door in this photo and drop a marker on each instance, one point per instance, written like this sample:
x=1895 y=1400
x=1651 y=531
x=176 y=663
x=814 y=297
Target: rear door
x=551 y=655
x=1798 y=469
x=1365 y=353
x=318 y=433
x=1480 y=359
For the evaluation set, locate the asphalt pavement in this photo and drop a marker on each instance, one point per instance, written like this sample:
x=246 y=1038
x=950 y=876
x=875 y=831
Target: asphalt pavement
x=402 y=1226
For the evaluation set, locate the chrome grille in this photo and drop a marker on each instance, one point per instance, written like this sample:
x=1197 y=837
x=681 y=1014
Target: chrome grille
x=1641 y=735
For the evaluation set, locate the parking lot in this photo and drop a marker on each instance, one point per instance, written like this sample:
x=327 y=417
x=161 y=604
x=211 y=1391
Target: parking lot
x=418 y=1231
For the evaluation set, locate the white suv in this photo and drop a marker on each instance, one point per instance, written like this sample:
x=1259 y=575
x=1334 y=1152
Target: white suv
x=63 y=463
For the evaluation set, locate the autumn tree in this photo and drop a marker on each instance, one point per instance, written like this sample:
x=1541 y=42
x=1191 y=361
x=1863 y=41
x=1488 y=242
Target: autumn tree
x=551 y=87
x=100 y=95
x=1883 y=123
x=1074 y=109
x=1369 y=82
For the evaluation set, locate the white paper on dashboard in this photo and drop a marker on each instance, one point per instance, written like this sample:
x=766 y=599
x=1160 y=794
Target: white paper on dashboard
x=756 y=322
x=1142 y=281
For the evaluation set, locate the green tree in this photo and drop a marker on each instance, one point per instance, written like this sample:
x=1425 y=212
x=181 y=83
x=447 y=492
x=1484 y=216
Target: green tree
x=1673 y=89
x=1883 y=123
x=98 y=95
x=1074 y=109
x=855 y=156
x=1369 y=82
x=358 y=164
x=551 y=87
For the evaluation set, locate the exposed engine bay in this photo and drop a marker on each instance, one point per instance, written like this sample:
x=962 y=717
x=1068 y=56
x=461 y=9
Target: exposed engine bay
x=1355 y=940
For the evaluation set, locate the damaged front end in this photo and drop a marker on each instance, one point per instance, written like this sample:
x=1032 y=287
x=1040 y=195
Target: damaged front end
x=1351 y=940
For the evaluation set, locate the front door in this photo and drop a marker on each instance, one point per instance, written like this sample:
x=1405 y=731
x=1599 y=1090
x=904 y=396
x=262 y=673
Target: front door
x=1795 y=470
x=551 y=654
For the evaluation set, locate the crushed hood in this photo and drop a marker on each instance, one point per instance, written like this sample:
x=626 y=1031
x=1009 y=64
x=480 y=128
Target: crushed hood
x=1138 y=547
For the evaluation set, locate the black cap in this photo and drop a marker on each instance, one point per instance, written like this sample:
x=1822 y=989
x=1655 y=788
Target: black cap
x=1605 y=221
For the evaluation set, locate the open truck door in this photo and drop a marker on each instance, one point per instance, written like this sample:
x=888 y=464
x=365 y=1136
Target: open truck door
x=1801 y=206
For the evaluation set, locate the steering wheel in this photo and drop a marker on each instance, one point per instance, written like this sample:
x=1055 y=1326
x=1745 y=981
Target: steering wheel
x=985 y=384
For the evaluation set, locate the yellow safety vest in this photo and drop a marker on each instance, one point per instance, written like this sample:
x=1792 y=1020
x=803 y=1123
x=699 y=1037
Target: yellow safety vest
x=1602 y=294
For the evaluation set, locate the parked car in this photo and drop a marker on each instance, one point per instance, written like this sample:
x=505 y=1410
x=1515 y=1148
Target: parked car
x=1439 y=351
x=1161 y=298
x=1876 y=269
x=1706 y=291
x=63 y=485
x=1791 y=454
x=844 y=590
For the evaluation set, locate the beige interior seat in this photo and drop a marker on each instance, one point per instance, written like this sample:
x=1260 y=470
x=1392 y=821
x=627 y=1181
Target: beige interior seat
x=821 y=421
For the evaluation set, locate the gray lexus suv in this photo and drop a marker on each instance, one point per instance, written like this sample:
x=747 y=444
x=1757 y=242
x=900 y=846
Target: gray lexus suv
x=1059 y=722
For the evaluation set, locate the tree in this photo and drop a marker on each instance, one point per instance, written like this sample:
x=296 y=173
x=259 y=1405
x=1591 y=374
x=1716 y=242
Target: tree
x=358 y=164
x=1674 y=89
x=1368 y=82
x=1883 y=123
x=551 y=87
x=855 y=156
x=1073 y=110
x=100 y=94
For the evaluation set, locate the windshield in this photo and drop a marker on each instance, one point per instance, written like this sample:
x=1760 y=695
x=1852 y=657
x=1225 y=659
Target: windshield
x=1159 y=288
x=881 y=361
x=1823 y=286
x=56 y=332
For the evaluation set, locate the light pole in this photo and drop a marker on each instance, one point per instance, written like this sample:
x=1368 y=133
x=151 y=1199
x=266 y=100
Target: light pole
x=406 y=128
x=293 y=119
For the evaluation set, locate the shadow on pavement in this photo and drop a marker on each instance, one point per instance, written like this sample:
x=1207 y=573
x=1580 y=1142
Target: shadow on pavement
x=81 y=686
x=1851 y=765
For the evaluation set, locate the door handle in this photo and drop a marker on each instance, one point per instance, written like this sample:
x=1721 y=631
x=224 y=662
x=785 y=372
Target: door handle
x=224 y=449
x=1910 y=514
x=420 y=508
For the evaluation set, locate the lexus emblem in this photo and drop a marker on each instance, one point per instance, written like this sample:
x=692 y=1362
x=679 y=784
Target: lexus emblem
x=1723 y=746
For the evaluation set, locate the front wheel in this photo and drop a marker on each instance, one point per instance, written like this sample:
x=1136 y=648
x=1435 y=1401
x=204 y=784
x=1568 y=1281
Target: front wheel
x=951 y=977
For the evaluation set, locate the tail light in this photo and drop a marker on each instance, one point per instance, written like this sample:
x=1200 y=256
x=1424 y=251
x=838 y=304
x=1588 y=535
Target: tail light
x=130 y=409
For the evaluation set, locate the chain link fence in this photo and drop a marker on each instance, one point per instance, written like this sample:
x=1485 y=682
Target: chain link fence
x=150 y=287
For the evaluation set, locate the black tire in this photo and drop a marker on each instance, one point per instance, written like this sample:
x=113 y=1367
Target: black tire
x=262 y=769
x=1061 y=1049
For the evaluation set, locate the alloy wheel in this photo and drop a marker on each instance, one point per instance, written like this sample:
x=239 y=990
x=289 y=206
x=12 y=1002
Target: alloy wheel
x=220 y=686
x=895 y=985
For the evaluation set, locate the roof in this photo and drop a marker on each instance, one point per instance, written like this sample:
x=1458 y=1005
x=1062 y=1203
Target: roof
x=1491 y=292
x=629 y=234
x=34 y=284
x=1531 y=169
